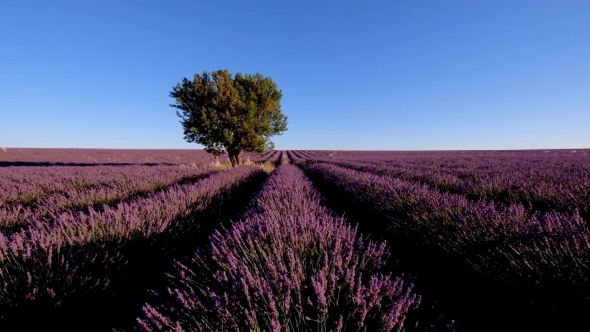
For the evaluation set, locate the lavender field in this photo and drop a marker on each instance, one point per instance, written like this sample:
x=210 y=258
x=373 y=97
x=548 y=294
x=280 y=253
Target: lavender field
x=299 y=240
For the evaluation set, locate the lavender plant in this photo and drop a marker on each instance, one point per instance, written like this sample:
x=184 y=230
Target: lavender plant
x=83 y=252
x=97 y=188
x=540 y=260
x=538 y=184
x=290 y=265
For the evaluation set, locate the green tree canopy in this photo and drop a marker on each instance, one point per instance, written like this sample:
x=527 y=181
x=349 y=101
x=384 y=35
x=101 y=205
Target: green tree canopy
x=238 y=114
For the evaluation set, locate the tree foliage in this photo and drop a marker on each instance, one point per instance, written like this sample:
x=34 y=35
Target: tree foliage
x=238 y=114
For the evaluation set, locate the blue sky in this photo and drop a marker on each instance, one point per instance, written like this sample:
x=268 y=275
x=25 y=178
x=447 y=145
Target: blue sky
x=385 y=75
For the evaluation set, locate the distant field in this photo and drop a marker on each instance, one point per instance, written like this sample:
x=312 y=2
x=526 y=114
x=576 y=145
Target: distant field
x=475 y=240
x=20 y=156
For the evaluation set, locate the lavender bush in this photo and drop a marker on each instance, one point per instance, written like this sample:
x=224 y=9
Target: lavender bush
x=537 y=260
x=80 y=252
x=101 y=185
x=33 y=156
x=290 y=265
x=538 y=184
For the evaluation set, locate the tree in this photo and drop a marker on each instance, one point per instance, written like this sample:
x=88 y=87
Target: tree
x=238 y=114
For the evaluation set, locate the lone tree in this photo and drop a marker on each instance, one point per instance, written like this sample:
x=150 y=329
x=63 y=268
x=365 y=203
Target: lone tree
x=238 y=114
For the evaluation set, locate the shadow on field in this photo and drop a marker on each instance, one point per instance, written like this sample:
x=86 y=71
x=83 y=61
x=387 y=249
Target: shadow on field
x=148 y=260
x=447 y=285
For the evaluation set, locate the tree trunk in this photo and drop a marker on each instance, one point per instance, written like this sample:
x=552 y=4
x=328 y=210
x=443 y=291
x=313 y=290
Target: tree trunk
x=234 y=158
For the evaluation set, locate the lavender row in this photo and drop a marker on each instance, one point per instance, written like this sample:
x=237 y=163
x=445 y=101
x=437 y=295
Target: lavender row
x=257 y=158
x=289 y=266
x=572 y=155
x=26 y=185
x=82 y=252
x=271 y=156
x=294 y=157
x=28 y=156
x=123 y=187
x=317 y=154
x=460 y=223
x=274 y=158
x=541 y=186
x=538 y=259
x=284 y=159
x=303 y=155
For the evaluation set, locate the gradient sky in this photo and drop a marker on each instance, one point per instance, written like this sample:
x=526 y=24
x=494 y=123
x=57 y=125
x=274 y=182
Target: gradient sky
x=384 y=75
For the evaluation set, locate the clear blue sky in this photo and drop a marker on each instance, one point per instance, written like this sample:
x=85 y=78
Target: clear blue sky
x=397 y=74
